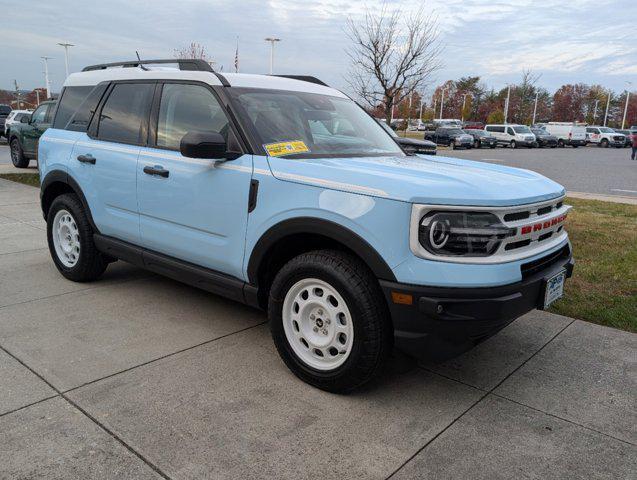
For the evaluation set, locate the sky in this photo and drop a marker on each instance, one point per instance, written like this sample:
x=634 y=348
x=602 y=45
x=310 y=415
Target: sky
x=589 y=41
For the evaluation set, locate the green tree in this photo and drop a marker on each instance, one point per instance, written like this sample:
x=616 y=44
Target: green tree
x=497 y=116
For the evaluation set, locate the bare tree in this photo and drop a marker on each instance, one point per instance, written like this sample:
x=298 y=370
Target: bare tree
x=392 y=58
x=194 y=50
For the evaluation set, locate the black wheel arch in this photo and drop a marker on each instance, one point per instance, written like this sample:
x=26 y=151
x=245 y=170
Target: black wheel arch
x=56 y=183
x=291 y=237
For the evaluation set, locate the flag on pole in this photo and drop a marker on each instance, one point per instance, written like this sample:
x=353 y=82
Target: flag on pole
x=236 y=57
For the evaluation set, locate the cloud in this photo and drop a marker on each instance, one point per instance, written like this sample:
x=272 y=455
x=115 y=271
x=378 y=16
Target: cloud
x=565 y=41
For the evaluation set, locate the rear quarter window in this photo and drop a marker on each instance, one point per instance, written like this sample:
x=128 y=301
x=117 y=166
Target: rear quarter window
x=80 y=120
x=72 y=98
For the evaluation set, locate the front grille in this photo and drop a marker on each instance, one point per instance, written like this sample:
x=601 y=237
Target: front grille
x=531 y=268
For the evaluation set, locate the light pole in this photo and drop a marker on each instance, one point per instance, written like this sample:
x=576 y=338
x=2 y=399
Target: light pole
x=464 y=100
x=272 y=40
x=535 y=107
x=626 y=107
x=595 y=110
x=442 y=102
x=506 y=104
x=66 y=55
x=46 y=76
x=607 y=105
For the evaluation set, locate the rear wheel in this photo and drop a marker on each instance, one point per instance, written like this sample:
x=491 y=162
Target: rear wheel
x=329 y=321
x=17 y=155
x=70 y=239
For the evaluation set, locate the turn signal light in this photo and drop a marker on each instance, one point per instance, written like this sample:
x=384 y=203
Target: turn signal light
x=402 y=298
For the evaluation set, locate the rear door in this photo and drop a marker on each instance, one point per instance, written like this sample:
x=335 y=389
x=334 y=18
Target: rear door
x=193 y=209
x=104 y=160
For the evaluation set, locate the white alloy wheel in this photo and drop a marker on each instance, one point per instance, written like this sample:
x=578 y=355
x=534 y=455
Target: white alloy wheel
x=317 y=323
x=66 y=238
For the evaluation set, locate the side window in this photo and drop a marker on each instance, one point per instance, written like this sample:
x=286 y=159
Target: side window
x=123 y=115
x=71 y=98
x=39 y=114
x=490 y=129
x=186 y=108
x=80 y=120
x=510 y=131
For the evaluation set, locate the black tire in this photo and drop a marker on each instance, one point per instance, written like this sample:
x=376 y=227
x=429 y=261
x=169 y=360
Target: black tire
x=513 y=144
x=452 y=145
x=90 y=264
x=604 y=143
x=492 y=146
x=574 y=146
x=476 y=144
x=560 y=143
x=17 y=155
x=373 y=335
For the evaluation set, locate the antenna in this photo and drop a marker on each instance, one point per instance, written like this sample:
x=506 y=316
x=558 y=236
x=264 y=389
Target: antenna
x=141 y=65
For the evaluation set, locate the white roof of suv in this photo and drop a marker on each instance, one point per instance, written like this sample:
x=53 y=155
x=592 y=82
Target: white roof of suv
x=93 y=77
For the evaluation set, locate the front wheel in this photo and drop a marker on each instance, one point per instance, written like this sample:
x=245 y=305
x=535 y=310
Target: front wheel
x=476 y=144
x=70 y=239
x=514 y=144
x=560 y=143
x=329 y=321
x=452 y=145
x=604 y=143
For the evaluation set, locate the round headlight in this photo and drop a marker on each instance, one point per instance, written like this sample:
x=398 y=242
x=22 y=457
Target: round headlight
x=438 y=233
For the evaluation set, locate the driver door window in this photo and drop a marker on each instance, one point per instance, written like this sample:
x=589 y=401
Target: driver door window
x=510 y=131
x=188 y=108
x=40 y=114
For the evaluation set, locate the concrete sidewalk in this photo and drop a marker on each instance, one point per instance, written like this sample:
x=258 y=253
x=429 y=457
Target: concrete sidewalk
x=137 y=376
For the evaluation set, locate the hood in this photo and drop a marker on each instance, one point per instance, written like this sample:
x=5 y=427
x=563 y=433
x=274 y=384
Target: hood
x=421 y=179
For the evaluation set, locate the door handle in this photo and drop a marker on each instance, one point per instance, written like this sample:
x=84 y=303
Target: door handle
x=156 y=170
x=88 y=158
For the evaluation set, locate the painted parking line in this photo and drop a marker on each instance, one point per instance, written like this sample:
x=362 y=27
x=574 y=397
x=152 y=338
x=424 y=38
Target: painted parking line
x=620 y=190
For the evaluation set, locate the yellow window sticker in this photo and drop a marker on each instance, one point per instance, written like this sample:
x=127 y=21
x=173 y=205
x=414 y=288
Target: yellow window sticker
x=286 y=148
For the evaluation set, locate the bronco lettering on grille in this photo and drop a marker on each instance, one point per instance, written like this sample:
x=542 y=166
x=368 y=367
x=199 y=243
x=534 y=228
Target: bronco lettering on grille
x=536 y=227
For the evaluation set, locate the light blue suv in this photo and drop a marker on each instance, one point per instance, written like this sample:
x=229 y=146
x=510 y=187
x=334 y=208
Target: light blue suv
x=284 y=194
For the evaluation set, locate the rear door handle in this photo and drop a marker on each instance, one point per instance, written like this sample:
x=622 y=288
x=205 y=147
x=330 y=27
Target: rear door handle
x=156 y=170
x=88 y=158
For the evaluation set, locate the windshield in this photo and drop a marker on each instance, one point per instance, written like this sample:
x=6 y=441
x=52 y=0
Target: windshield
x=477 y=133
x=453 y=131
x=387 y=128
x=522 y=129
x=606 y=130
x=308 y=125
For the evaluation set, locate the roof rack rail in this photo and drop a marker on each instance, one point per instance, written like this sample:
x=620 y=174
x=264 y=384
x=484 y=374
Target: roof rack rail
x=304 y=78
x=195 y=64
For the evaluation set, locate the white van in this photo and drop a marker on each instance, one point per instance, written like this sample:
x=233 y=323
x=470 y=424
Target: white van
x=512 y=135
x=567 y=133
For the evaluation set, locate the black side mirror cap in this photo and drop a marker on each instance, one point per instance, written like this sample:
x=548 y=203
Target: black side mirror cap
x=203 y=145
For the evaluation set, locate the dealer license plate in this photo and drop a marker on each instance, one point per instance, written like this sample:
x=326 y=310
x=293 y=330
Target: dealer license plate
x=554 y=288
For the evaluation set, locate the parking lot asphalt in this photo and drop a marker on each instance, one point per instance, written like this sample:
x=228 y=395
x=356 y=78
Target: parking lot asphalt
x=603 y=171
x=137 y=376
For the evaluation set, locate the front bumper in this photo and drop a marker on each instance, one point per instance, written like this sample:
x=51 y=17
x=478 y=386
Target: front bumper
x=462 y=317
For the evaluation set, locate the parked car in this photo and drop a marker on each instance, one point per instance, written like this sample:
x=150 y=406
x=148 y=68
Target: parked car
x=628 y=140
x=473 y=126
x=544 y=138
x=482 y=138
x=411 y=146
x=512 y=135
x=5 y=110
x=25 y=135
x=14 y=117
x=567 y=133
x=450 y=136
x=604 y=137
x=316 y=216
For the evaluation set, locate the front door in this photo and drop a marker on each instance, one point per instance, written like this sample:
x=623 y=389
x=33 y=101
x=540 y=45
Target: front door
x=40 y=121
x=192 y=209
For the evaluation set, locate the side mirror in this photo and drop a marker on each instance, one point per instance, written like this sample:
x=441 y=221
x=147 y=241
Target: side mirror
x=26 y=119
x=203 y=145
